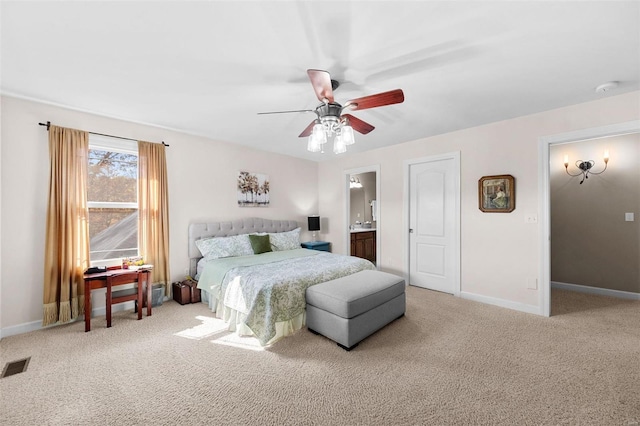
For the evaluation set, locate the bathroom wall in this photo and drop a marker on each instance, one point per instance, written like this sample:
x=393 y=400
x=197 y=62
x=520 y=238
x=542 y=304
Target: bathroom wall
x=360 y=202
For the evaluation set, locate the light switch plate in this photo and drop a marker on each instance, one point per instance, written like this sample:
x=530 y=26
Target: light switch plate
x=628 y=217
x=531 y=218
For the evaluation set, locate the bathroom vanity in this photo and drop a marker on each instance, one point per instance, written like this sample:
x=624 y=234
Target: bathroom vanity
x=363 y=244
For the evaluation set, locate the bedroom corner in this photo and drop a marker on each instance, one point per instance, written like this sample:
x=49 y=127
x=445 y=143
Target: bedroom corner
x=201 y=187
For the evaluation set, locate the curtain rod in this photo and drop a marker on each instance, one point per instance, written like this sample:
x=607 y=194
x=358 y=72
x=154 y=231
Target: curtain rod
x=48 y=124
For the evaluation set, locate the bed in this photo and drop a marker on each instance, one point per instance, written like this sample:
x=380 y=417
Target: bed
x=261 y=295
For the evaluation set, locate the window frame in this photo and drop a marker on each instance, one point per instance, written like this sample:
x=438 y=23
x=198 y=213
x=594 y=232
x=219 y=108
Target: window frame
x=123 y=146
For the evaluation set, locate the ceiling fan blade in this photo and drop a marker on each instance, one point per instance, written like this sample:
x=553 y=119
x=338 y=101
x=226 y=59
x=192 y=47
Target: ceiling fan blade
x=307 y=131
x=285 y=112
x=359 y=125
x=373 y=101
x=321 y=82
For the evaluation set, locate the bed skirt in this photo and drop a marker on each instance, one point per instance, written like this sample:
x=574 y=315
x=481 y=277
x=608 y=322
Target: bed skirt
x=236 y=319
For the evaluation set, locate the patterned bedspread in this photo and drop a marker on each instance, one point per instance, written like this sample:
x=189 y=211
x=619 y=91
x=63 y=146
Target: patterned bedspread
x=270 y=287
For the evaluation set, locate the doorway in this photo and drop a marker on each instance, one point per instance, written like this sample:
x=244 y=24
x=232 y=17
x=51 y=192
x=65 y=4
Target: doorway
x=368 y=207
x=545 y=197
x=433 y=218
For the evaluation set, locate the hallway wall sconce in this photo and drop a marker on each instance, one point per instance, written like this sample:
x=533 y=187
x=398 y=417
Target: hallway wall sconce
x=354 y=183
x=586 y=166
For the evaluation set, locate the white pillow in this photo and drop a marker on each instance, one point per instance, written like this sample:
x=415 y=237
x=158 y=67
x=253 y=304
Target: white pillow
x=218 y=247
x=281 y=241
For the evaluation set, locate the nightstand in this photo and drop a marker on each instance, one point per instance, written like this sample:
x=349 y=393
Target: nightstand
x=317 y=245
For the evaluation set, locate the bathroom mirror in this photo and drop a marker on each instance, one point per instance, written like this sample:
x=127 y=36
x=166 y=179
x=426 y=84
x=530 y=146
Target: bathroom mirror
x=362 y=195
x=362 y=210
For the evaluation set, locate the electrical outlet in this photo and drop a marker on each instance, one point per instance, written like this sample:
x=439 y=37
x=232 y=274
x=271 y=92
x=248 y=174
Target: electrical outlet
x=186 y=271
x=532 y=283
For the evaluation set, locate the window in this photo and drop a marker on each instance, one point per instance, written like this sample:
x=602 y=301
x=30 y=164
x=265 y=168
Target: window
x=112 y=198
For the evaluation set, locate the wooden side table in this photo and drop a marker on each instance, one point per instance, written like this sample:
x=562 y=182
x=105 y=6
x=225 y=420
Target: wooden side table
x=110 y=279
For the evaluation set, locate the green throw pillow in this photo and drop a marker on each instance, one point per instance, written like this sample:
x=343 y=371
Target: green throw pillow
x=260 y=243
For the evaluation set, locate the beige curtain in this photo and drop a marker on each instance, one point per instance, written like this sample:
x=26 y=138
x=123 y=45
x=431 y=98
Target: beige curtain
x=67 y=235
x=153 y=210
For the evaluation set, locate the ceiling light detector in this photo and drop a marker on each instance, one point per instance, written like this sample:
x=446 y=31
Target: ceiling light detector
x=610 y=85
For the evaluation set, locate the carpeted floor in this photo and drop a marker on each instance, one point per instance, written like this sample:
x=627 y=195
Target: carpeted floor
x=449 y=361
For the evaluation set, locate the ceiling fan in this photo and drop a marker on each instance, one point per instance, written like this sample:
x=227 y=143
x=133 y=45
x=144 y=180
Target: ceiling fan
x=330 y=119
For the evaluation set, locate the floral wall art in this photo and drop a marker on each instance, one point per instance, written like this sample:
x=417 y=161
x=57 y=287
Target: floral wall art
x=253 y=190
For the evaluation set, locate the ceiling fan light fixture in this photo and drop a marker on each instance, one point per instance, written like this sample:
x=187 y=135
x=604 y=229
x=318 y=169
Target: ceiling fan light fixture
x=339 y=146
x=313 y=145
x=330 y=121
x=331 y=124
x=347 y=135
x=319 y=134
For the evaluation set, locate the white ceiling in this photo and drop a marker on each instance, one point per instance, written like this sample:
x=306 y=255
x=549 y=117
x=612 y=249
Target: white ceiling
x=208 y=68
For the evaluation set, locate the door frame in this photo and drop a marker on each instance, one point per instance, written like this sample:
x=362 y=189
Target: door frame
x=347 y=202
x=455 y=156
x=544 y=194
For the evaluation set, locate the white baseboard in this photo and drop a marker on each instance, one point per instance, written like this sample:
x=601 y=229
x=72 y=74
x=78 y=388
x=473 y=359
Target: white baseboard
x=596 y=290
x=37 y=325
x=516 y=306
x=20 y=329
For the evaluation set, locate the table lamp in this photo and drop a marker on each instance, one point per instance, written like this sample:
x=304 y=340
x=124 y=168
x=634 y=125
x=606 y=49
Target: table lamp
x=314 y=225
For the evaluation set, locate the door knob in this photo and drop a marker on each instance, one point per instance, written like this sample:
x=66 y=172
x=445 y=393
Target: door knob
x=411 y=230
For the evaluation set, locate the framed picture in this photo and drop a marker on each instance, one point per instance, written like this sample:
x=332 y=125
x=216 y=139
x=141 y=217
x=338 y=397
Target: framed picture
x=253 y=190
x=497 y=194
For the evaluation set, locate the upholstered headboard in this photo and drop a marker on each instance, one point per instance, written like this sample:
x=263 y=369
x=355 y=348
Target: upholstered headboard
x=226 y=229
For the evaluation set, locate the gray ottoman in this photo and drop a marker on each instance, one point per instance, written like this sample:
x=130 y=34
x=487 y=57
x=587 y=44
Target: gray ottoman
x=350 y=308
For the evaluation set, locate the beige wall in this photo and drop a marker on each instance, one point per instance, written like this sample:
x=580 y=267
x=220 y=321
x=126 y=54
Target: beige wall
x=591 y=243
x=202 y=186
x=499 y=252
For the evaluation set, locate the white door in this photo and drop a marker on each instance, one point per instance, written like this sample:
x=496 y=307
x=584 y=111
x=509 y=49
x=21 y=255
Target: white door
x=434 y=259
